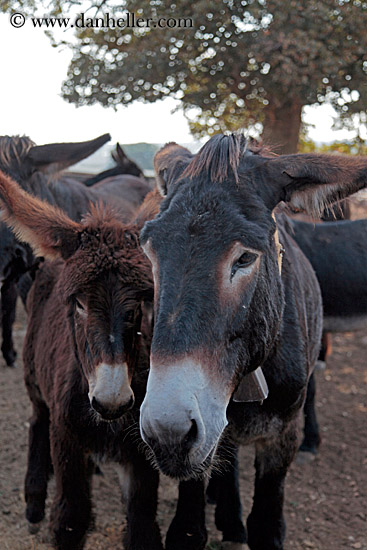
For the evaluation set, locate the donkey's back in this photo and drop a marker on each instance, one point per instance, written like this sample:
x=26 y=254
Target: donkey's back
x=338 y=254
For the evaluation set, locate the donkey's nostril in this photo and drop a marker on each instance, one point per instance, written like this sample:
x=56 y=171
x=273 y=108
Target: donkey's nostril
x=130 y=404
x=191 y=435
x=97 y=406
x=111 y=413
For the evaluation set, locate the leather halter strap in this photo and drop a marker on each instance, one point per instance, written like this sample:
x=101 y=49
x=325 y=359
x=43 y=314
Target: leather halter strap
x=279 y=247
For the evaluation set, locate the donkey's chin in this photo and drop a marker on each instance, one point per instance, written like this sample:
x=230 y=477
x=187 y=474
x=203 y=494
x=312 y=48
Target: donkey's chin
x=111 y=414
x=181 y=466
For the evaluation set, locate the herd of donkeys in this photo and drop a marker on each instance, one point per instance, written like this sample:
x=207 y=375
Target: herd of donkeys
x=169 y=323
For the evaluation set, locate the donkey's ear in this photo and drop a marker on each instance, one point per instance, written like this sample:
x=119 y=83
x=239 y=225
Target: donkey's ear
x=169 y=163
x=119 y=155
x=149 y=208
x=311 y=182
x=54 y=157
x=47 y=229
x=121 y=158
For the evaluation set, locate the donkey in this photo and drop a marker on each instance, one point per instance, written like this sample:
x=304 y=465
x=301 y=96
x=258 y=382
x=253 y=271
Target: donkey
x=237 y=323
x=21 y=158
x=33 y=167
x=86 y=360
x=337 y=251
x=123 y=165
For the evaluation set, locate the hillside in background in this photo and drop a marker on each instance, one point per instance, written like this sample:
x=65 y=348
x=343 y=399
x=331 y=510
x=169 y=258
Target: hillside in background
x=141 y=153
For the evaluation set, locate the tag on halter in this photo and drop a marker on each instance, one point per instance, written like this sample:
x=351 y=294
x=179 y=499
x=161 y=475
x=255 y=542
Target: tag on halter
x=253 y=387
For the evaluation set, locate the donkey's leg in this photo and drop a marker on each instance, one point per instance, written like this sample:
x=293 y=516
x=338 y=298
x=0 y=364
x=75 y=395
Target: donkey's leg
x=24 y=285
x=311 y=440
x=266 y=524
x=187 y=530
x=140 y=488
x=211 y=490
x=224 y=488
x=325 y=351
x=8 y=305
x=39 y=466
x=71 y=512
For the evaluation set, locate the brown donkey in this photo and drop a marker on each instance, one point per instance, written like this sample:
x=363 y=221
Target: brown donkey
x=86 y=361
x=39 y=171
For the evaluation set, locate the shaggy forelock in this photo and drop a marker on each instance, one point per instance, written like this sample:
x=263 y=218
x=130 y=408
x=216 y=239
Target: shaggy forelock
x=107 y=245
x=219 y=159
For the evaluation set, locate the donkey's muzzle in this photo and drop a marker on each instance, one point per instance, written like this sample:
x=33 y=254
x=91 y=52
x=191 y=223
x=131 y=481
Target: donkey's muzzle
x=182 y=417
x=110 y=393
x=172 y=447
x=182 y=440
x=111 y=413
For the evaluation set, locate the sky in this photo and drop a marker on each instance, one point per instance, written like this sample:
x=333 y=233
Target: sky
x=31 y=104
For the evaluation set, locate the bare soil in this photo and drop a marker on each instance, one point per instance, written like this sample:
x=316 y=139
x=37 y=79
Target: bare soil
x=326 y=499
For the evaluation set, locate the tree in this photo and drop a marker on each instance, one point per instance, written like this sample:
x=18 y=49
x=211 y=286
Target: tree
x=238 y=61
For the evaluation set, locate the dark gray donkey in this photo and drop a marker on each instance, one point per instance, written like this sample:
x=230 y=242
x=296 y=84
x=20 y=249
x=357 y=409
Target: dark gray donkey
x=237 y=323
x=338 y=253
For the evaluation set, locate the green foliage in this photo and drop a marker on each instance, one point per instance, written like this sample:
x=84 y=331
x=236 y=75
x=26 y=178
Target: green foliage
x=237 y=60
x=26 y=6
x=356 y=146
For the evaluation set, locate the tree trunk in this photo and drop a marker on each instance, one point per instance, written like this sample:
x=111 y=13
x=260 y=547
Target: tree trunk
x=281 y=127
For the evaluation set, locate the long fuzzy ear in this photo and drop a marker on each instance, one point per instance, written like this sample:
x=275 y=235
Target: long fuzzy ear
x=47 y=229
x=311 y=182
x=169 y=163
x=119 y=156
x=53 y=157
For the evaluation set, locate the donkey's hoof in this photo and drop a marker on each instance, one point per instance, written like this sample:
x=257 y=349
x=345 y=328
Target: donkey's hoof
x=227 y=545
x=33 y=528
x=10 y=357
x=304 y=457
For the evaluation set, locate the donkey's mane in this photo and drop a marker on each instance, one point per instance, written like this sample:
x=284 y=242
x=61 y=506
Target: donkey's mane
x=13 y=150
x=220 y=157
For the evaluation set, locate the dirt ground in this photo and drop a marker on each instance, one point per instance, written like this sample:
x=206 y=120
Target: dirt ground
x=326 y=500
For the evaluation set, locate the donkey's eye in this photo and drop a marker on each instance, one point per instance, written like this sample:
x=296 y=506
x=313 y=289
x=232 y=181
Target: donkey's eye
x=245 y=260
x=129 y=316
x=80 y=307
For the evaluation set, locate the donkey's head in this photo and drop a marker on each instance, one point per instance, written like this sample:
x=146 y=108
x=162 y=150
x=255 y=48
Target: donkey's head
x=103 y=280
x=218 y=290
x=28 y=164
x=127 y=165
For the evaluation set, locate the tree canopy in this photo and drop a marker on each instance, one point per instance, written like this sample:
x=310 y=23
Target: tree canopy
x=239 y=62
